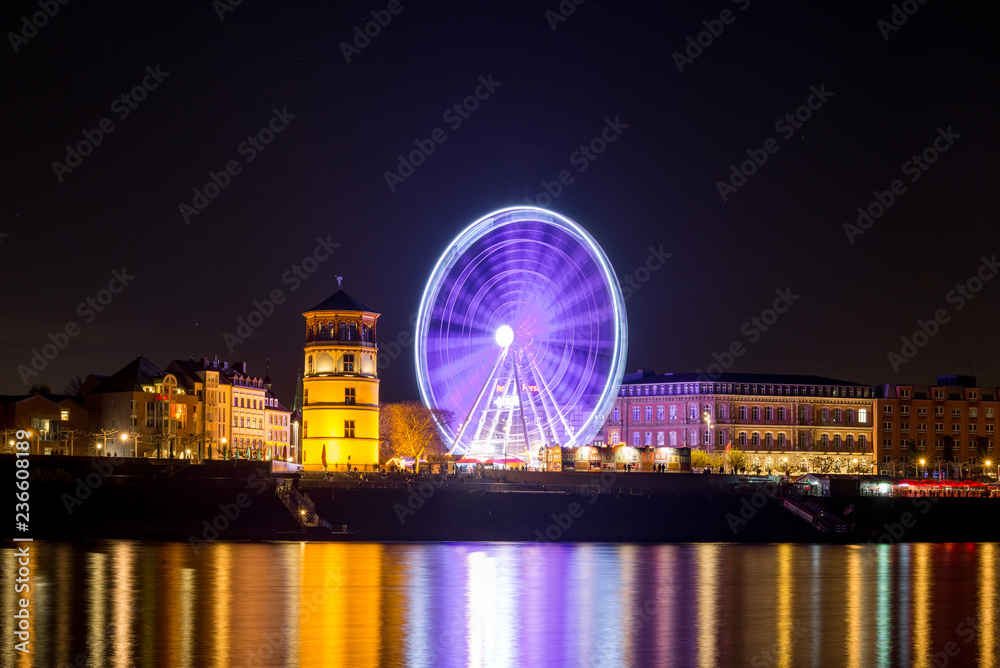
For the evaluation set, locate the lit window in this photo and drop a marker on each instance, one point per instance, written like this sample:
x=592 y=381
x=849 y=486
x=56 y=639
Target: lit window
x=348 y=428
x=862 y=415
x=659 y=413
x=649 y=413
x=348 y=362
x=616 y=414
x=635 y=413
x=64 y=415
x=349 y=397
x=635 y=439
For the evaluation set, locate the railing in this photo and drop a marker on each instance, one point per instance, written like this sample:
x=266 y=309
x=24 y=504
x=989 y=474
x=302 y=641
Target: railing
x=303 y=509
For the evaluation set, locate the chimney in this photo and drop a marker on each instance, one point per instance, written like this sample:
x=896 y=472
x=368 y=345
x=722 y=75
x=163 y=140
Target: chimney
x=241 y=367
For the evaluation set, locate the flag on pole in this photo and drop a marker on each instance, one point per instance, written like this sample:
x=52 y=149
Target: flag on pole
x=729 y=446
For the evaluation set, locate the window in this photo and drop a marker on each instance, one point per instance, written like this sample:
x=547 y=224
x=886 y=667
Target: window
x=743 y=412
x=825 y=414
x=349 y=397
x=635 y=439
x=956 y=429
x=824 y=441
x=673 y=412
x=768 y=440
x=782 y=414
x=781 y=440
x=862 y=441
x=614 y=437
x=989 y=429
x=939 y=394
x=743 y=439
x=693 y=439
x=616 y=415
x=635 y=414
x=769 y=413
x=649 y=413
x=720 y=412
x=989 y=412
x=673 y=439
x=956 y=412
x=921 y=412
x=348 y=428
x=803 y=413
x=348 y=362
x=694 y=412
x=973 y=412
x=305 y=397
x=659 y=438
x=755 y=412
x=922 y=427
x=939 y=427
x=973 y=428
x=862 y=415
x=887 y=410
x=904 y=411
x=659 y=412
x=649 y=438
x=939 y=411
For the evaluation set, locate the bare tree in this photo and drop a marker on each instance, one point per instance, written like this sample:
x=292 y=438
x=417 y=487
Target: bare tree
x=101 y=436
x=74 y=387
x=410 y=429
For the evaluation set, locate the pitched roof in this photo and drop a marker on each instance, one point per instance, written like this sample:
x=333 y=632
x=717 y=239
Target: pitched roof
x=131 y=377
x=758 y=378
x=340 y=301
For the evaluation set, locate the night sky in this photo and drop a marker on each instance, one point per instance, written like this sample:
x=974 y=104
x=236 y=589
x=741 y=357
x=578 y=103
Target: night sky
x=881 y=94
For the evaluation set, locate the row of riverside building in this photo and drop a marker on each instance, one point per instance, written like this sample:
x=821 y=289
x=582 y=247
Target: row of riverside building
x=195 y=409
x=815 y=424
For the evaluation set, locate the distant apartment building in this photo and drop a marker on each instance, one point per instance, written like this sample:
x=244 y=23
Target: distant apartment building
x=805 y=423
x=951 y=426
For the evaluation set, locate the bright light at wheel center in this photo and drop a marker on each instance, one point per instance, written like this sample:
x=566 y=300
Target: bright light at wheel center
x=505 y=336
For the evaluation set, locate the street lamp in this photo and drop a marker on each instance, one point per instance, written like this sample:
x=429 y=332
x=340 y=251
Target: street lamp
x=922 y=464
x=124 y=438
x=988 y=468
x=223 y=453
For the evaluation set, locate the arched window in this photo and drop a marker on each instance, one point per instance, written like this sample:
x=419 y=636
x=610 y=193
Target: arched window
x=755 y=412
x=673 y=439
x=342 y=333
x=743 y=412
x=353 y=332
x=616 y=414
x=769 y=413
x=720 y=412
x=614 y=437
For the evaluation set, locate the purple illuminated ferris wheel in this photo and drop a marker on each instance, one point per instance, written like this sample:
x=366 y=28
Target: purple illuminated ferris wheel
x=521 y=334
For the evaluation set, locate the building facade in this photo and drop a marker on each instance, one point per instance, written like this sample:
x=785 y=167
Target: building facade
x=947 y=427
x=340 y=386
x=799 y=423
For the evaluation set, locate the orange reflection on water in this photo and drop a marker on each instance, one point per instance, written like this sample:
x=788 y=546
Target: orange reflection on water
x=854 y=613
x=987 y=630
x=708 y=602
x=122 y=558
x=784 y=603
x=922 y=593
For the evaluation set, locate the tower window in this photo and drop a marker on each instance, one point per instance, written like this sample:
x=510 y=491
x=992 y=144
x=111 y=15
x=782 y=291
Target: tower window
x=349 y=396
x=348 y=428
x=348 y=362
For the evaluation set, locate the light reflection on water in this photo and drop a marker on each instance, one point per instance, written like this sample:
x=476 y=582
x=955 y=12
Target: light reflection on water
x=135 y=603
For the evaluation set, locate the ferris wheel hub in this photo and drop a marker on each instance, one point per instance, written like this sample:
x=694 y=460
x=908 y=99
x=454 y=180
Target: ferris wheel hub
x=505 y=336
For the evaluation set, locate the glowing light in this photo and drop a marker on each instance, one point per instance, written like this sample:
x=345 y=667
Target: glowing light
x=505 y=336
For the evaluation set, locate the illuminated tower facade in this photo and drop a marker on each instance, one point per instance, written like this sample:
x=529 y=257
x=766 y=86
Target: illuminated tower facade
x=340 y=386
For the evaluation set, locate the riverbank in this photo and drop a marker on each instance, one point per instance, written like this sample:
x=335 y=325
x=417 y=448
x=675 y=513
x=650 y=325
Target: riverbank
x=74 y=498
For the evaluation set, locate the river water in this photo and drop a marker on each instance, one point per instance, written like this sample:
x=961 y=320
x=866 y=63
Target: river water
x=141 y=603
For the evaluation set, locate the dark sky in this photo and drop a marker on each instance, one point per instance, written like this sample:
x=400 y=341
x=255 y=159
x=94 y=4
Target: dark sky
x=323 y=175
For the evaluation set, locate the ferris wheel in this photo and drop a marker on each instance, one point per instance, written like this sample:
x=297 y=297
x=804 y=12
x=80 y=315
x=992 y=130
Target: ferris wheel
x=521 y=335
